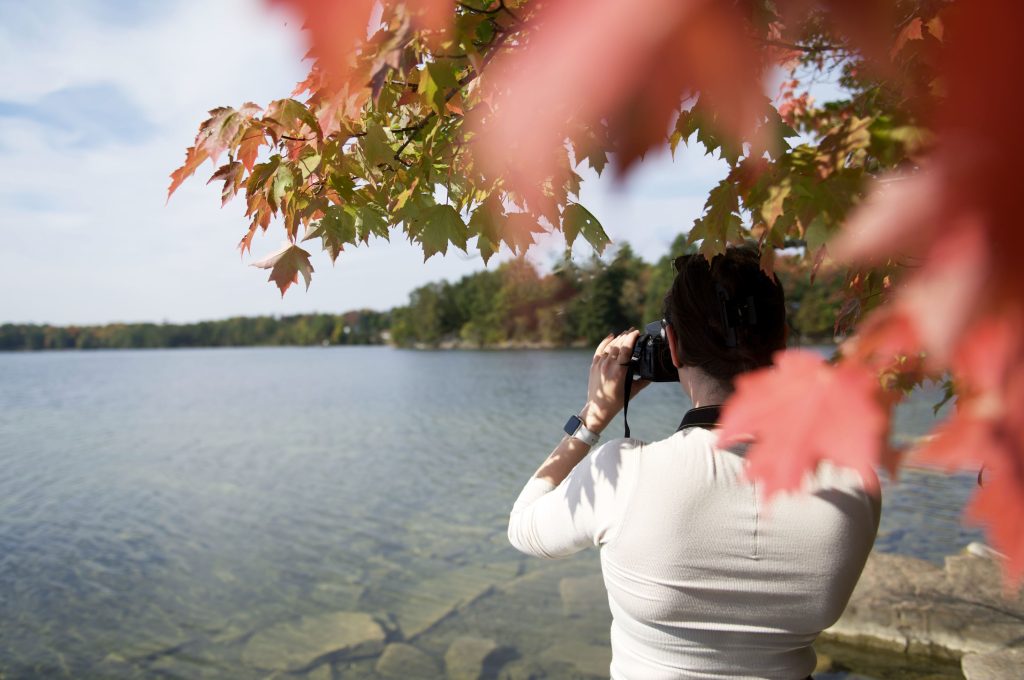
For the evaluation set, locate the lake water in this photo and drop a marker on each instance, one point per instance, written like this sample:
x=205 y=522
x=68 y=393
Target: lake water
x=177 y=513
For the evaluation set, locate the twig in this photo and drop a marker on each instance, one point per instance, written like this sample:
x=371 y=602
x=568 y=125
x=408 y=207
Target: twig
x=811 y=49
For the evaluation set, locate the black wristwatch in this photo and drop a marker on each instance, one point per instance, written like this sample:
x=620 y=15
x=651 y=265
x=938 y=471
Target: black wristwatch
x=575 y=428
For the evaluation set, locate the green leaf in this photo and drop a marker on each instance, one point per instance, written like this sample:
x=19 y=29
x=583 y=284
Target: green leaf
x=721 y=222
x=519 y=230
x=484 y=223
x=441 y=225
x=285 y=266
x=335 y=229
x=261 y=173
x=817 y=233
x=376 y=147
x=284 y=182
x=773 y=206
x=371 y=222
x=308 y=164
x=437 y=79
x=577 y=220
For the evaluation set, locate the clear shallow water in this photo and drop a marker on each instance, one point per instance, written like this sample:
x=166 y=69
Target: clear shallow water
x=157 y=508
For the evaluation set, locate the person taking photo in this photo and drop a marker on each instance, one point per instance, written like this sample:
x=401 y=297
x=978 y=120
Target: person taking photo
x=704 y=579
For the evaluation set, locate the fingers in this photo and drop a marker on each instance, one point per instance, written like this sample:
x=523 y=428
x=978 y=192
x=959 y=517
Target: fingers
x=604 y=344
x=616 y=348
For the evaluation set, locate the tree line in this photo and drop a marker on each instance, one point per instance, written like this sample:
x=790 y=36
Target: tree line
x=511 y=305
x=515 y=305
x=361 y=327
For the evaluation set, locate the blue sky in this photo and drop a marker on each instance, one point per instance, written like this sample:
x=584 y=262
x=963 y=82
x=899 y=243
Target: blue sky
x=102 y=101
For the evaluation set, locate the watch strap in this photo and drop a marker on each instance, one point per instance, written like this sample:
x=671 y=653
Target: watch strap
x=575 y=428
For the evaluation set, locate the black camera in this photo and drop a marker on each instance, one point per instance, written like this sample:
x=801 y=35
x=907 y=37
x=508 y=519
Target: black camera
x=651 y=359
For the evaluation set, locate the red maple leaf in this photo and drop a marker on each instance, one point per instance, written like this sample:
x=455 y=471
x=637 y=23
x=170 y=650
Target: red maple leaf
x=802 y=411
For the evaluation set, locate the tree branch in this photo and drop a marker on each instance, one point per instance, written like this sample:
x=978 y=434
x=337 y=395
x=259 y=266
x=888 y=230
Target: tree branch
x=496 y=45
x=810 y=49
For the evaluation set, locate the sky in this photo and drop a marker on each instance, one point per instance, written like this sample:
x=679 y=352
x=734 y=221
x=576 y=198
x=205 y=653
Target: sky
x=98 y=101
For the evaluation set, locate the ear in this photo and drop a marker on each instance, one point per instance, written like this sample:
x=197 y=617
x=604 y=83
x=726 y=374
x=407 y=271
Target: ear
x=673 y=346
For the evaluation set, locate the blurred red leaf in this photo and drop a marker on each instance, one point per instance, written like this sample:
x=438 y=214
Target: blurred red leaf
x=802 y=411
x=987 y=432
x=336 y=29
x=615 y=61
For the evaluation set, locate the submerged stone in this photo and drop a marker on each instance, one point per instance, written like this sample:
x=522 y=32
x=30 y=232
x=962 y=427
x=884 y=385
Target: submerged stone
x=473 y=658
x=589 y=660
x=1005 y=664
x=400 y=660
x=583 y=596
x=294 y=646
x=432 y=600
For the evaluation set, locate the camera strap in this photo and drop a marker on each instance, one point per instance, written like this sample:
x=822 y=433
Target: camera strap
x=625 y=399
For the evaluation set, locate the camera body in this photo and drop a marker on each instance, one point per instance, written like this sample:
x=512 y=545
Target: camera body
x=651 y=359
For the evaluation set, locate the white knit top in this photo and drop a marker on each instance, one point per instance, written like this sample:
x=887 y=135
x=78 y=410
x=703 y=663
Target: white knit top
x=704 y=581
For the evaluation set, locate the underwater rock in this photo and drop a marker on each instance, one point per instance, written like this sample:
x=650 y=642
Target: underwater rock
x=1005 y=664
x=589 y=660
x=294 y=646
x=583 y=596
x=400 y=660
x=473 y=658
x=908 y=605
x=420 y=608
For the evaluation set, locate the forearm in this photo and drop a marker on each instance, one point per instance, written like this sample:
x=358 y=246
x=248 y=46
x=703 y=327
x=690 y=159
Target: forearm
x=569 y=452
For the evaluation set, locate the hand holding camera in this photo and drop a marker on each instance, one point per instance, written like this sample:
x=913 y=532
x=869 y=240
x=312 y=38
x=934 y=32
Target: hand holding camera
x=608 y=376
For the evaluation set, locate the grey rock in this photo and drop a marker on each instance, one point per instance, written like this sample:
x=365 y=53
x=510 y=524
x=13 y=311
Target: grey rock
x=524 y=669
x=1005 y=664
x=583 y=596
x=322 y=672
x=589 y=660
x=295 y=646
x=473 y=658
x=911 y=606
x=432 y=600
x=405 y=661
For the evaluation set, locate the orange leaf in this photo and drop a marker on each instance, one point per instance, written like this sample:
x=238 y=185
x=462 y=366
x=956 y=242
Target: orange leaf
x=912 y=31
x=802 y=411
x=285 y=266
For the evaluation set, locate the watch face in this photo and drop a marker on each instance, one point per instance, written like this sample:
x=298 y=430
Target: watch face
x=572 y=425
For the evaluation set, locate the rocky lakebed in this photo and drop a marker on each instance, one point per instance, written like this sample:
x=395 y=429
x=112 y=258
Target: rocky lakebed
x=907 y=620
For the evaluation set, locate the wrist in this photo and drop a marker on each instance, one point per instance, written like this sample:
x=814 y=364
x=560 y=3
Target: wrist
x=591 y=421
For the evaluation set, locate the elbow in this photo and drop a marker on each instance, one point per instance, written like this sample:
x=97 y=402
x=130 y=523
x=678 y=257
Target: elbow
x=521 y=539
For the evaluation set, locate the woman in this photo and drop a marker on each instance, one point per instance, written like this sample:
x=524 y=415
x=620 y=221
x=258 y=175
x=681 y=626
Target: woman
x=704 y=579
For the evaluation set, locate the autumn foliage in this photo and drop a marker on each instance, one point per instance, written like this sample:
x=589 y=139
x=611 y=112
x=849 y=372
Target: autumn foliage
x=463 y=123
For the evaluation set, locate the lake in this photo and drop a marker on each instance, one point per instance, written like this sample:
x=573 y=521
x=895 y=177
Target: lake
x=186 y=513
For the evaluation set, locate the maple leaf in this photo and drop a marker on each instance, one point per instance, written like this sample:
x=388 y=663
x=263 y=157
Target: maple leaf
x=336 y=228
x=590 y=62
x=337 y=29
x=441 y=225
x=721 y=223
x=519 y=230
x=578 y=220
x=484 y=222
x=285 y=266
x=802 y=411
x=217 y=133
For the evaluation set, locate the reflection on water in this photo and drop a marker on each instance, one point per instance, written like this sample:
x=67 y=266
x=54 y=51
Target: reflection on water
x=193 y=513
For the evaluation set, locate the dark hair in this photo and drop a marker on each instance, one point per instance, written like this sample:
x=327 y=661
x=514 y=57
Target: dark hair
x=727 y=314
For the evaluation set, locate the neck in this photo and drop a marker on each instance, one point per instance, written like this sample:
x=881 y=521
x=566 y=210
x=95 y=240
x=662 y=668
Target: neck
x=702 y=389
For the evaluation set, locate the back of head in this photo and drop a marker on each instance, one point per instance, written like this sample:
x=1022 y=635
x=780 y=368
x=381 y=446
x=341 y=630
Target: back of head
x=728 y=315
